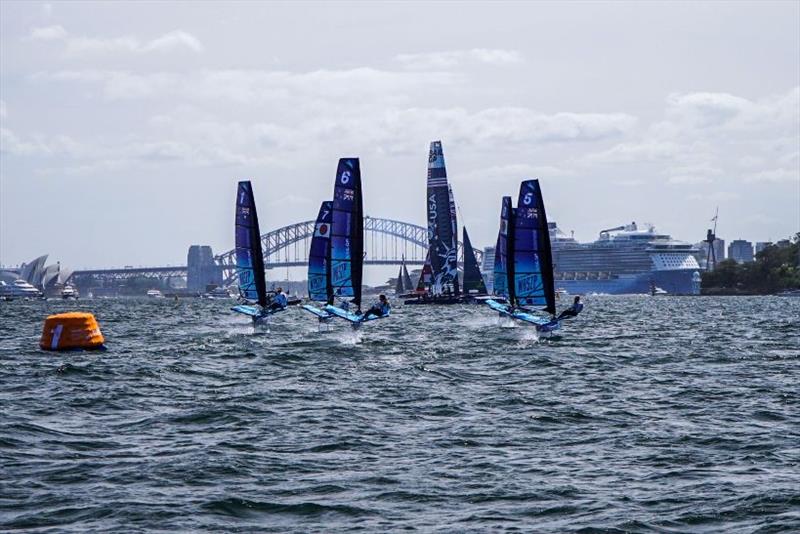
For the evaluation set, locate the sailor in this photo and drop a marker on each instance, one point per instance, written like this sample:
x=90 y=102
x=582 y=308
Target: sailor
x=573 y=310
x=279 y=301
x=379 y=309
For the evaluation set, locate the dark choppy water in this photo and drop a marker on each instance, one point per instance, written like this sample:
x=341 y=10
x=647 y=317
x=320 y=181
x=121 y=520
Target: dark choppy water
x=649 y=415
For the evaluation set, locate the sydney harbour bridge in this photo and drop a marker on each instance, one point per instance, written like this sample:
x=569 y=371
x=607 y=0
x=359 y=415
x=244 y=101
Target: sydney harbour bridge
x=386 y=242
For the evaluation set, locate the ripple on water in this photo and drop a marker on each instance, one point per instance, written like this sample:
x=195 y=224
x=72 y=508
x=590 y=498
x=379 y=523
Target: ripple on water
x=645 y=415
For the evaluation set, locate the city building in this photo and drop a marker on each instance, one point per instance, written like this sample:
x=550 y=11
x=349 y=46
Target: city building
x=487 y=268
x=740 y=251
x=761 y=245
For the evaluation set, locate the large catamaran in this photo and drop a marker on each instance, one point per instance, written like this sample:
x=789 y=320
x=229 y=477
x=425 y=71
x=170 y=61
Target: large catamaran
x=442 y=234
x=523 y=269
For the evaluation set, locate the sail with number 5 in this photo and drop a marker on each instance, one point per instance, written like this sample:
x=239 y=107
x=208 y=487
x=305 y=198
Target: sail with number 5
x=347 y=231
x=533 y=278
x=249 y=255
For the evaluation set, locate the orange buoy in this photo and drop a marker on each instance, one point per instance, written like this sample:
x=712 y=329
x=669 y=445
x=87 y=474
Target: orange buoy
x=72 y=330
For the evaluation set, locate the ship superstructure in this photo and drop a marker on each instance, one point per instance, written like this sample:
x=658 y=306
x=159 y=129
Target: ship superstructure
x=625 y=259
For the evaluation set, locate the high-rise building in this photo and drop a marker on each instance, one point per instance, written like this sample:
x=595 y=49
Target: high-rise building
x=761 y=245
x=488 y=260
x=487 y=268
x=741 y=251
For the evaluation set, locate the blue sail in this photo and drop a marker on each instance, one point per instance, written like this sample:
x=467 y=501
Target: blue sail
x=249 y=256
x=502 y=266
x=319 y=257
x=532 y=260
x=347 y=231
x=442 y=237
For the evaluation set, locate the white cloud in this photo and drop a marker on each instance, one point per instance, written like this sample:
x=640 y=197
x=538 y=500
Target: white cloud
x=706 y=109
x=636 y=151
x=717 y=196
x=449 y=59
x=75 y=46
x=514 y=171
x=49 y=33
x=703 y=173
x=780 y=175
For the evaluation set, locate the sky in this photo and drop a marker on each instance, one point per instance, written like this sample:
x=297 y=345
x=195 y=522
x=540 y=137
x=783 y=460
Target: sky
x=124 y=127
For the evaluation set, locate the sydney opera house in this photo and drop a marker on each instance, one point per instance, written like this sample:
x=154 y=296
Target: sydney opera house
x=35 y=279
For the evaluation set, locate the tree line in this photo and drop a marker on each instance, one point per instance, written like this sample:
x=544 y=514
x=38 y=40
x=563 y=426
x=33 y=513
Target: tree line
x=775 y=269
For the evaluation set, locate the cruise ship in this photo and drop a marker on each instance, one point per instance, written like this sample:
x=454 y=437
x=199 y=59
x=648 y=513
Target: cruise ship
x=625 y=259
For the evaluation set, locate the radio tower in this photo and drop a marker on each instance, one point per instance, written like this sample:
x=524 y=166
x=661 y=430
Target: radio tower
x=711 y=236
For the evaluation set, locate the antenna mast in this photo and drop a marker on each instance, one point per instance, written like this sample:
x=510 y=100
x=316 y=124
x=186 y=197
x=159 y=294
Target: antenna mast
x=711 y=236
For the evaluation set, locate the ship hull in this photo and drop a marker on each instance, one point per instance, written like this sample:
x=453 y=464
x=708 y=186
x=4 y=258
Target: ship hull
x=674 y=282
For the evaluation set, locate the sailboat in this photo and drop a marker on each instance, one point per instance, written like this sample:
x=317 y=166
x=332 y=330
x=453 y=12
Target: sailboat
x=250 y=258
x=320 y=288
x=403 y=286
x=340 y=260
x=473 y=285
x=523 y=270
x=442 y=233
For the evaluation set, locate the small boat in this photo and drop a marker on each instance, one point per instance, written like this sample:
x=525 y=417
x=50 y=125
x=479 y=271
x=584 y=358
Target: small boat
x=403 y=286
x=336 y=261
x=18 y=289
x=523 y=273
x=215 y=292
x=69 y=293
x=155 y=294
x=255 y=302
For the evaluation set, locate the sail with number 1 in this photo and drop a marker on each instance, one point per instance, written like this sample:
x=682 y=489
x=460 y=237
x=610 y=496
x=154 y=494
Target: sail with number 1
x=249 y=255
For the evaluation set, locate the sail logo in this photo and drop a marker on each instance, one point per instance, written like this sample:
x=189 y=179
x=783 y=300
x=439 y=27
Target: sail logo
x=528 y=284
x=316 y=282
x=348 y=194
x=245 y=210
x=341 y=271
x=531 y=213
x=323 y=230
x=433 y=211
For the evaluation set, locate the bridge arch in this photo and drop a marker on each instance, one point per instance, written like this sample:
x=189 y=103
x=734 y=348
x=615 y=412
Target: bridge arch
x=411 y=238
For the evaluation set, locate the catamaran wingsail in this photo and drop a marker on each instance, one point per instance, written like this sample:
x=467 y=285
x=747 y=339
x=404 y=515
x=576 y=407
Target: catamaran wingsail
x=442 y=233
x=523 y=272
x=343 y=270
x=249 y=256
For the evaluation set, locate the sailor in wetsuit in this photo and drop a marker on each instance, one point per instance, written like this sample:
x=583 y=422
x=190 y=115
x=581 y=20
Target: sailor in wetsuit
x=379 y=309
x=279 y=301
x=573 y=310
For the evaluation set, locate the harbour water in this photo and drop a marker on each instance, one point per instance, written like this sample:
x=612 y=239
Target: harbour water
x=650 y=414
